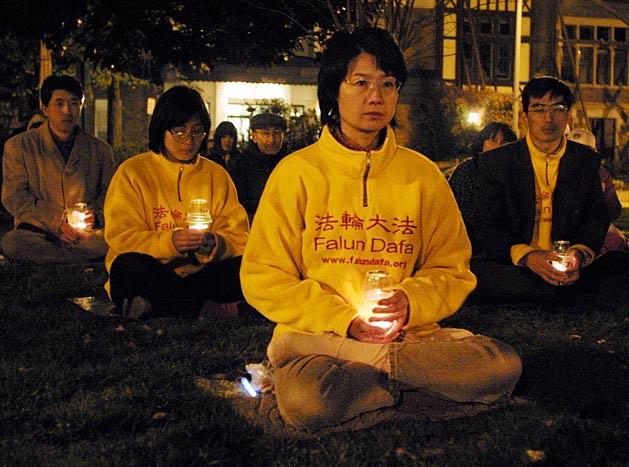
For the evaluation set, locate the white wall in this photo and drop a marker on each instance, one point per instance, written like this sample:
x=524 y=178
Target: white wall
x=219 y=95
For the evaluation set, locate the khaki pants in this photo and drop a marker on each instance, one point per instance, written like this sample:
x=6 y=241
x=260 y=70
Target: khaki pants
x=42 y=248
x=323 y=380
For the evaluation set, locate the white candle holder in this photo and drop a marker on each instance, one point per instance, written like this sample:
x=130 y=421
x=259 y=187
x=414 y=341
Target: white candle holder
x=199 y=217
x=560 y=248
x=77 y=215
x=377 y=286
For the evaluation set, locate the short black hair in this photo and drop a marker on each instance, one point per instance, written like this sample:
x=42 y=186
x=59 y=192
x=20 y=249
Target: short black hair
x=174 y=108
x=54 y=82
x=489 y=131
x=539 y=87
x=344 y=47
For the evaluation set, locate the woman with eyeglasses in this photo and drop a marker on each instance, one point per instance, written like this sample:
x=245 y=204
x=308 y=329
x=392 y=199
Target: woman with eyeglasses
x=355 y=206
x=161 y=261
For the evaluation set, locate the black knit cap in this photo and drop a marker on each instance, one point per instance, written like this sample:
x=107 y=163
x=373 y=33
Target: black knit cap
x=267 y=120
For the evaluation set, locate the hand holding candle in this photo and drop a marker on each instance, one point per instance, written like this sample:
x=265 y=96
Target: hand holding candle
x=560 y=248
x=382 y=307
x=380 y=322
x=81 y=218
x=196 y=237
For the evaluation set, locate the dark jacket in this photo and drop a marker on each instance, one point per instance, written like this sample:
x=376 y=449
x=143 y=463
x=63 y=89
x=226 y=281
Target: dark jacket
x=505 y=215
x=464 y=184
x=224 y=159
x=250 y=171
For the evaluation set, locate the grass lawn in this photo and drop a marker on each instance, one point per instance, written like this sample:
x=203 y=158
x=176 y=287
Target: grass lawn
x=83 y=389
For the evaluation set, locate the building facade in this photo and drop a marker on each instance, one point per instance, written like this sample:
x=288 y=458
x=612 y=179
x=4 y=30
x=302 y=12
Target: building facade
x=466 y=44
x=585 y=43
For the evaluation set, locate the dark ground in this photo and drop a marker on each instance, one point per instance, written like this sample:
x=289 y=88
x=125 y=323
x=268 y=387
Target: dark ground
x=82 y=389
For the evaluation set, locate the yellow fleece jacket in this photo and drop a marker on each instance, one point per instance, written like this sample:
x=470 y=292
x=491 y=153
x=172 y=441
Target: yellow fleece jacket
x=328 y=215
x=149 y=197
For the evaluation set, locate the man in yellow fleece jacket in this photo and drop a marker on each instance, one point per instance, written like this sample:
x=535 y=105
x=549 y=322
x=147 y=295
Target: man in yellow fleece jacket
x=537 y=191
x=351 y=203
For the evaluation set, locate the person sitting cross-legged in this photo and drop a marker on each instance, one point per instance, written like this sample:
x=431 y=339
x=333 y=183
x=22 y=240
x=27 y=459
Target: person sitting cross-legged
x=55 y=178
x=538 y=191
x=330 y=214
x=174 y=225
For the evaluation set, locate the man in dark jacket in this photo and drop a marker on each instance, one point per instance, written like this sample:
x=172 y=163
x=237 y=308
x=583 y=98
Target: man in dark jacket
x=535 y=192
x=251 y=169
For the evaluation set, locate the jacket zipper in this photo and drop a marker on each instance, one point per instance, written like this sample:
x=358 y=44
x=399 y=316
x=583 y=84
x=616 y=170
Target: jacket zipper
x=547 y=160
x=365 y=175
x=179 y=183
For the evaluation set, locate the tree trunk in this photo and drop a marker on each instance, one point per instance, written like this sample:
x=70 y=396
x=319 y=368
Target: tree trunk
x=544 y=38
x=114 y=113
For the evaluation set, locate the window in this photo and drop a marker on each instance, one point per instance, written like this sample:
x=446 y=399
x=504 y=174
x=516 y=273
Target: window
x=620 y=34
x=620 y=66
x=600 y=54
x=571 y=31
x=504 y=28
x=585 y=60
x=603 y=65
x=485 y=26
x=586 y=33
x=495 y=40
x=503 y=62
x=602 y=33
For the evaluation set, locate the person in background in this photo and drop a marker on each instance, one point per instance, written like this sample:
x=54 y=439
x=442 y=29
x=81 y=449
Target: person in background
x=160 y=265
x=46 y=172
x=224 y=148
x=537 y=191
x=330 y=214
x=464 y=178
x=251 y=169
x=615 y=238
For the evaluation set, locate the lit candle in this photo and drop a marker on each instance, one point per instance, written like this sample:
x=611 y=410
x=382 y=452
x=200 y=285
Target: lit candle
x=77 y=215
x=377 y=286
x=199 y=217
x=560 y=248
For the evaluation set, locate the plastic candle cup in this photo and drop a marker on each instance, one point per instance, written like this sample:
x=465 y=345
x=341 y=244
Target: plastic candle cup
x=77 y=215
x=560 y=248
x=199 y=217
x=377 y=286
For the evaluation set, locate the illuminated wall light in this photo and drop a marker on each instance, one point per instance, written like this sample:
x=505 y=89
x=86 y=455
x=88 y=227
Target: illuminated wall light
x=256 y=90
